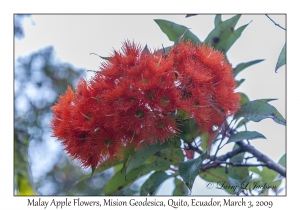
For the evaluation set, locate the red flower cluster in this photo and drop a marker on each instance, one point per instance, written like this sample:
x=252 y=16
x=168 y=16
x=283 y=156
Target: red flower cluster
x=133 y=100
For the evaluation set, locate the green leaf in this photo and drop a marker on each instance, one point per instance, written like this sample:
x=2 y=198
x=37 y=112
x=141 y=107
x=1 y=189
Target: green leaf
x=239 y=82
x=120 y=180
x=223 y=36
x=238 y=172
x=189 y=169
x=137 y=159
x=173 y=31
x=274 y=185
x=244 y=98
x=165 y=158
x=180 y=188
x=145 y=188
x=217 y=175
x=225 y=43
x=189 y=130
x=282 y=160
x=282 y=58
x=105 y=58
x=267 y=175
x=249 y=135
x=180 y=37
x=267 y=100
x=204 y=141
x=218 y=20
x=158 y=181
x=172 y=155
x=183 y=114
x=239 y=157
x=240 y=67
x=239 y=184
x=105 y=165
x=242 y=122
x=258 y=110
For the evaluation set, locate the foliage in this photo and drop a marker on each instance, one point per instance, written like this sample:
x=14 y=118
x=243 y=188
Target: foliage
x=162 y=115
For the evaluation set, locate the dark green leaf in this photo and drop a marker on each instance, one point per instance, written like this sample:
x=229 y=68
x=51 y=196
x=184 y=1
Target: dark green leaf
x=274 y=185
x=242 y=122
x=240 y=67
x=235 y=184
x=120 y=180
x=282 y=160
x=204 y=141
x=218 y=20
x=267 y=100
x=172 y=155
x=165 y=158
x=223 y=35
x=189 y=130
x=238 y=172
x=158 y=181
x=282 y=58
x=267 y=175
x=239 y=157
x=219 y=176
x=258 y=110
x=137 y=159
x=173 y=31
x=180 y=188
x=244 y=98
x=255 y=170
x=263 y=192
x=239 y=184
x=223 y=27
x=249 y=135
x=160 y=163
x=105 y=58
x=183 y=114
x=226 y=42
x=189 y=169
x=145 y=189
x=239 y=82
x=180 y=37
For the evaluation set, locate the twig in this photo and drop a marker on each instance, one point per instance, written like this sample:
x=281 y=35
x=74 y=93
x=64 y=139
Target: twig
x=216 y=160
x=263 y=158
x=196 y=149
x=245 y=148
x=241 y=164
x=276 y=24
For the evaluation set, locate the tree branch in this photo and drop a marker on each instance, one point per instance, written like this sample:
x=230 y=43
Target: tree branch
x=263 y=158
x=219 y=160
x=196 y=149
x=241 y=164
x=276 y=24
x=243 y=147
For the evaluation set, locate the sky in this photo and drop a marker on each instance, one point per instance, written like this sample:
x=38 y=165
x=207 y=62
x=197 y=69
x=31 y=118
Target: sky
x=74 y=37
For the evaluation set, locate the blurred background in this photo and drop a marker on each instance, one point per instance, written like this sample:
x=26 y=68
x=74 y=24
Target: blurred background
x=53 y=51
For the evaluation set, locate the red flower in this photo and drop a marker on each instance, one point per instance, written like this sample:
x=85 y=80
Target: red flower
x=133 y=101
x=206 y=81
